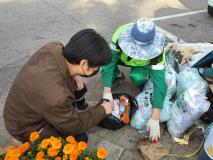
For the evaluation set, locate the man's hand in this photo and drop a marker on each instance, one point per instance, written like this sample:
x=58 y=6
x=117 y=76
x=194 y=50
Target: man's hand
x=153 y=125
x=79 y=80
x=107 y=94
x=108 y=106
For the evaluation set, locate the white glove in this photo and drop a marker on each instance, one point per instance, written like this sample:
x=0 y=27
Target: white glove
x=153 y=127
x=108 y=95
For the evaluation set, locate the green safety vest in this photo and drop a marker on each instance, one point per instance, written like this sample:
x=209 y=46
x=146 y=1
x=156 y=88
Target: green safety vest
x=124 y=57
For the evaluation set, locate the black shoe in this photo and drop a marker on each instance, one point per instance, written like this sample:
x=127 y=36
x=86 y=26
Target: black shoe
x=81 y=137
x=118 y=80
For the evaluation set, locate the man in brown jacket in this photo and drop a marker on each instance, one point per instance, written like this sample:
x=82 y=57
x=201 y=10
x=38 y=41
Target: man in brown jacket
x=43 y=95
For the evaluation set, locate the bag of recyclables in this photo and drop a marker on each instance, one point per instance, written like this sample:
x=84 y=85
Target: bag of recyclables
x=189 y=77
x=186 y=110
x=142 y=115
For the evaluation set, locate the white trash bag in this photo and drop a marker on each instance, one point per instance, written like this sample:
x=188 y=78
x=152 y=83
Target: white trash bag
x=189 y=77
x=144 y=112
x=186 y=110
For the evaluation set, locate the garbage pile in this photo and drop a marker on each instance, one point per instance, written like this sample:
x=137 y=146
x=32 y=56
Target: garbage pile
x=189 y=76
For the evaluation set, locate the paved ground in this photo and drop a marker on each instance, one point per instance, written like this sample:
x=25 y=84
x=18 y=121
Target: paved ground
x=28 y=24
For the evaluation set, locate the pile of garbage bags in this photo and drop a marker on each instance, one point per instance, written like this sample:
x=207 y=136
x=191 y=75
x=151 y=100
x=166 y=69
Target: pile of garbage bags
x=185 y=100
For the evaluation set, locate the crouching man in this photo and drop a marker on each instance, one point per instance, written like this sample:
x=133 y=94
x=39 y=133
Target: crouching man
x=49 y=90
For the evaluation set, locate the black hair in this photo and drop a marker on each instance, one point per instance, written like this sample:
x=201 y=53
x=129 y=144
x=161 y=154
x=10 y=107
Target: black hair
x=89 y=45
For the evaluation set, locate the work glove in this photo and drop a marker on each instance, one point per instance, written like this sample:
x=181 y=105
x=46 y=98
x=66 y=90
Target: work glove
x=153 y=127
x=108 y=95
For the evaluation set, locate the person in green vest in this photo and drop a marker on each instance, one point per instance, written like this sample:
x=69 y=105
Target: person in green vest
x=140 y=47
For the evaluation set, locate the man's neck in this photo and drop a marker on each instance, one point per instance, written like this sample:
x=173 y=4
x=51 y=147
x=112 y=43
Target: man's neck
x=72 y=69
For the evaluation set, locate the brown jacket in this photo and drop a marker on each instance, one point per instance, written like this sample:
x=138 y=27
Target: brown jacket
x=42 y=93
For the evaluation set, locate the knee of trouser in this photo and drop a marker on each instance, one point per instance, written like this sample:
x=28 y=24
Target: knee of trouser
x=137 y=78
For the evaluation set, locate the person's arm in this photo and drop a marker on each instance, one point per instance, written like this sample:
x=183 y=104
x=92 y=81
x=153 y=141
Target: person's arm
x=107 y=75
x=159 y=94
x=107 y=71
x=64 y=117
x=159 y=88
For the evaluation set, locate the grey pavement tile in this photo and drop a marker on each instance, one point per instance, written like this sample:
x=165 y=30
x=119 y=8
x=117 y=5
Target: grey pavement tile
x=114 y=150
x=99 y=131
x=131 y=155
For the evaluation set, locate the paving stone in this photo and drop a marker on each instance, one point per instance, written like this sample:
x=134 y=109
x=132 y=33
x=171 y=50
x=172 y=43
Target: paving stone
x=93 y=140
x=98 y=131
x=131 y=155
x=114 y=150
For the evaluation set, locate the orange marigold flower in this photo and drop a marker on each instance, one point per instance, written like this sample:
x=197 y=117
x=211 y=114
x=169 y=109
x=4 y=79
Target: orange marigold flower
x=44 y=143
x=52 y=140
x=58 y=158
x=34 y=136
x=12 y=153
x=24 y=147
x=69 y=148
x=56 y=144
x=0 y=150
x=70 y=139
x=73 y=157
x=40 y=155
x=102 y=153
x=76 y=152
x=65 y=157
x=86 y=158
x=82 y=145
x=9 y=148
x=51 y=152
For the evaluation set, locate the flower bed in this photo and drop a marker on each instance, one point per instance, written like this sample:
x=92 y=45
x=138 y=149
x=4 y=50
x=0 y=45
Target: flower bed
x=52 y=149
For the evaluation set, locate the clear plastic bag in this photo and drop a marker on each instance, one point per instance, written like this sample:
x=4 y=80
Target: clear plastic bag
x=188 y=78
x=186 y=110
x=142 y=115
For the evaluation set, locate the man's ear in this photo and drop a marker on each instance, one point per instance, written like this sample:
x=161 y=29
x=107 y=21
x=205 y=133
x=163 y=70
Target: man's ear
x=84 y=63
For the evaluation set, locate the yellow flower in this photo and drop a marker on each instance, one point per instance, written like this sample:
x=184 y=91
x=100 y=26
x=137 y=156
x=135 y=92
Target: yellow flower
x=56 y=144
x=82 y=145
x=86 y=158
x=70 y=139
x=51 y=152
x=65 y=157
x=102 y=153
x=44 y=143
x=34 y=136
x=58 y=158
x=40 y=155
x=69 y=148
x=52 y=139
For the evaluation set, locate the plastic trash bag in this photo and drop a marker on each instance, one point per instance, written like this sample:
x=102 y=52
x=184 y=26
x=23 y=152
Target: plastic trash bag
x=189 y=77
x=142 y=115
x=170 y=76
x=186 y=110
x=144 y=111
